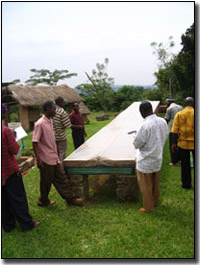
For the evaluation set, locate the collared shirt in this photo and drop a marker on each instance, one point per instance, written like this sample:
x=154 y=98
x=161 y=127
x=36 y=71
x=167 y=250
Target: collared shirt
x=9 y=149
x=171 y=112
x=76 y=119
x=150 y=140
x=184 y=126
x=43 y=134
x=60 y=123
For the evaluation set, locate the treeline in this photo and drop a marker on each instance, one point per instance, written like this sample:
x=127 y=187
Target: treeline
x=123 y=97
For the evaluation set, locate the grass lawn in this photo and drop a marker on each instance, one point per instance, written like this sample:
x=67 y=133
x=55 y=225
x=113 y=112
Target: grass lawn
x=106 y=228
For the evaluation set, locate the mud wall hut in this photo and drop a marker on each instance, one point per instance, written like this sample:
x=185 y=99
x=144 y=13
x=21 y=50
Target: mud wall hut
x=31 y=99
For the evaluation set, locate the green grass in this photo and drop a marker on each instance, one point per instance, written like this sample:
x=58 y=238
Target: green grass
x=106 y=228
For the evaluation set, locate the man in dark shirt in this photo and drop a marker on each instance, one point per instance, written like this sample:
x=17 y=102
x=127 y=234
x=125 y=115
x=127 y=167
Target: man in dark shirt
x=14 y=200
x=77 y=126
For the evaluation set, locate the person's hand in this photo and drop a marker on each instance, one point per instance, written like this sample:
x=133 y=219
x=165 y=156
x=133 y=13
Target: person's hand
x=173 y=148
x=39 y=163
x=80 y=126
x=85 y=134
x=14 y=134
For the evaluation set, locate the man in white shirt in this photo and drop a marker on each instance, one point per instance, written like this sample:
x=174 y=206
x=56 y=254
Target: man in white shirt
x=150 y=140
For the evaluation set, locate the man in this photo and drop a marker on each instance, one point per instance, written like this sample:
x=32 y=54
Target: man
x=14 y=200
x=183 y=133
x=60 y=123
x=44 y=146
x=78 y=128
x=172 y=109
x=150 y=140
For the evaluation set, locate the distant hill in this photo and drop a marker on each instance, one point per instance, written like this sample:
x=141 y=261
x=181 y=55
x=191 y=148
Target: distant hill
x=116 y=87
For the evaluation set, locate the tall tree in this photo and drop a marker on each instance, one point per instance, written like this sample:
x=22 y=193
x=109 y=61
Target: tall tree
x=164 y=58
x=45 y=76
x=101 y=85
x=181 y=69
x=184 y=65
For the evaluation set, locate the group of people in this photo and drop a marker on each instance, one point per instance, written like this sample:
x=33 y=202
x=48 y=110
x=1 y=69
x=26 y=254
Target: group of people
x=150 y=140
x=50 y=145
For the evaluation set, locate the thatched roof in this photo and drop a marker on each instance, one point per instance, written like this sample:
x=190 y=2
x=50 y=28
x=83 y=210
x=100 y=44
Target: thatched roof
x=35 y=96
x=84 y=109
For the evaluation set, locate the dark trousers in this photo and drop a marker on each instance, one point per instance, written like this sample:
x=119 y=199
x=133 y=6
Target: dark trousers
x=54 y=174
x=185 y=167
x=174 y=155
x=15 y=204
x=78 y=138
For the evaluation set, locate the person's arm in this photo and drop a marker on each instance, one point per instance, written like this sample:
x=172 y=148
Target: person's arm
x=12 y=145
x=167 y=115
x=65 y=121
x=35 y=141
x=175 y=132
x=174 y=142
x=140 y=138
x=37 y=157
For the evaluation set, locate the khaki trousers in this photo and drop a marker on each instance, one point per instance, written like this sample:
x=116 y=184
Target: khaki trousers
x=61 y=149
x=54 y=174
x=149 y=187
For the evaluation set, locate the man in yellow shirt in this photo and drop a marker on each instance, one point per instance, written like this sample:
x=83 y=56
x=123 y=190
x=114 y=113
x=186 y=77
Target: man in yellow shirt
x=183 y=133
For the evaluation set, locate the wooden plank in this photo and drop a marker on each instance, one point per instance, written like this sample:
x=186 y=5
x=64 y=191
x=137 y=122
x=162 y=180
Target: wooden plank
x=100 y=170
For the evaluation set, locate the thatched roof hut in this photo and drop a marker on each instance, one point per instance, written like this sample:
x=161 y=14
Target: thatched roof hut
x=36 y=96
x=31 y=98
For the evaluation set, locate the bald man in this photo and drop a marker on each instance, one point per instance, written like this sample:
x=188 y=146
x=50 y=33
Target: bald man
x=150 y=140
x=183 y=139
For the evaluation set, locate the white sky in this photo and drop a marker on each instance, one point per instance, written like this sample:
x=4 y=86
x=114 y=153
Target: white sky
x=75 y=36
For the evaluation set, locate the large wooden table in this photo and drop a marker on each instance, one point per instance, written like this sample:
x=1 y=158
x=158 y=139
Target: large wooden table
x=110 y=151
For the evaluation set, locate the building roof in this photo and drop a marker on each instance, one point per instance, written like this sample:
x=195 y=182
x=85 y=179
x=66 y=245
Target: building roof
x=36 y=96
x=84 y=109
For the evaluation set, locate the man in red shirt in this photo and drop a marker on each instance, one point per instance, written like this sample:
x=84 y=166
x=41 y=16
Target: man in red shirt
x=14 y=200
x=77 y=126
x=51 y=171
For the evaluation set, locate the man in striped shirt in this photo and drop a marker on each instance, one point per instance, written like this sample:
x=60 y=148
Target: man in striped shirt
x=60 y=123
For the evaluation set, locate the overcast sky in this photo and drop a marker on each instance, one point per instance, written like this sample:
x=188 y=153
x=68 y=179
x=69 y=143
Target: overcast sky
x=76 y=36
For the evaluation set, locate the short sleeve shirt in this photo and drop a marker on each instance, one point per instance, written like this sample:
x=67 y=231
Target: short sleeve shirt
x=171 y=112
x=183 y=125
x=43 y=134
x=60 y=123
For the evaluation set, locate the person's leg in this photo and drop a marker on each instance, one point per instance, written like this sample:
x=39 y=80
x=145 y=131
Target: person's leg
x=61 y=148
x=156 y=189
x=18 y=201
x=75 y=139
x=78 y=138
x=8 y=219
x=62 y=184
x=145 y=184
x=185 y=168
x=46 y=179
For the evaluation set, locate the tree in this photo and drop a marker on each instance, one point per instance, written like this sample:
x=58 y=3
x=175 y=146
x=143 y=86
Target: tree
x=45 y=76
x=164 y=57
x=101 y=85
x=126 y=95
x=180 y=69
x=184 y=64
x=15 y=81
